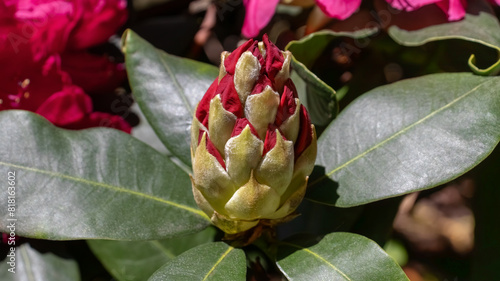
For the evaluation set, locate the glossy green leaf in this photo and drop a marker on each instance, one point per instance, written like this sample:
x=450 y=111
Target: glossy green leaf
x=144 y=132
x=29 y=264
x=338 y=256
x=407 y=136
x=317 y=96
x=209 y=262
x=480 y=25
x=307 y=50
x=96 y=183
x=138 y=260
x=167 y=89
x=322 y=106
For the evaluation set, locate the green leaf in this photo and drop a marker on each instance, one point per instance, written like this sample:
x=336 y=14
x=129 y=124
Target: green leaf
x=167 y=89
x=480 y=25
x=308 y=49
x=338 y=256
x=96 y=183
x=29 y=264
x=138 y=260
x=407 y=136
x=317 y=96
x=322 y=106
x=213 y=261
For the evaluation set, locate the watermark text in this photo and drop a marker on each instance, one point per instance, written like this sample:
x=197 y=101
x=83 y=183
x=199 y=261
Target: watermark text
x=11 y=220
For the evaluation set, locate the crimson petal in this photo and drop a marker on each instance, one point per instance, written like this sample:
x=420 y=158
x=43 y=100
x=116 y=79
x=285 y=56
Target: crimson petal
x=274 y=58
x=287 y=106
x=261 y=84
x=241 y=123
x=204 y=105
x=213 y=150
x=270 y=140
x=232 y=59
x=305 y=133
x=229 y=96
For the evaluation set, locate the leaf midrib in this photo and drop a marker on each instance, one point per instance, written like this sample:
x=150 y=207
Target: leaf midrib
x=27 y=263
x=163 y=250
x=108 y=186
x=317 y=256
x=218 y=262
x=400 y=132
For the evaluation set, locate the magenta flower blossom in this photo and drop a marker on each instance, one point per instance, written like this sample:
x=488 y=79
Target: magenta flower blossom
x=47 y=90
x=95 y=74
x=338 y=9
x=454 y=9
x=260 y=12
x=45 y=67
x=52 y=26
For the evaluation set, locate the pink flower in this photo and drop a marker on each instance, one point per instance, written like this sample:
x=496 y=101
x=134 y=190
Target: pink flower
x=71 y=108
x=45 y=25
x=95 y=74
x=339 y=9
x=35 y=35
x=26 y=84
x=52 y=26
x=454 y=9
x=259 y=12
x=42 y=87
x=99 y=20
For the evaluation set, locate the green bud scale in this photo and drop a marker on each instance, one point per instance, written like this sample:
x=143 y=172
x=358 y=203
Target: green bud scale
x=252 y=143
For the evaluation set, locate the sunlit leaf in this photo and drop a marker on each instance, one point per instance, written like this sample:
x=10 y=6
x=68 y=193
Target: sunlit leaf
x=29 y=264
x=167 y=89
x=97 y=183
x=337 y=256
x=209 y=262
x=138 y=260
x=480 y=25
x=407 y=136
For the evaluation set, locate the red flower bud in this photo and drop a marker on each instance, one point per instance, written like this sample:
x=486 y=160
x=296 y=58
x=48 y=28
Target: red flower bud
x=259 y=145
x=240 y=125
x=305 y=133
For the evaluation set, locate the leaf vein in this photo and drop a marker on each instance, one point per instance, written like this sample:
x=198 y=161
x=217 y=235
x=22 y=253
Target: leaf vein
x=164 y=250
x=108 y=186
x=320 y=258
x=26 y=259
x=404 y=130
x=217 y=263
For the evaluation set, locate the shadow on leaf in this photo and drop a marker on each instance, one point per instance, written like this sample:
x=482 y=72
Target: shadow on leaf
x=322 y=189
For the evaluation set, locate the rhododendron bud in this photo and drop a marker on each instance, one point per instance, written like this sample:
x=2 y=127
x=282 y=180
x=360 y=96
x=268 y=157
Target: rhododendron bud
x=252 y=143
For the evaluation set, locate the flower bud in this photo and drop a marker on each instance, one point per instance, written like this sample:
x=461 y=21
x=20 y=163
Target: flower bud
x=252 y=143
